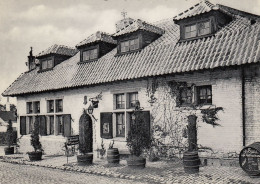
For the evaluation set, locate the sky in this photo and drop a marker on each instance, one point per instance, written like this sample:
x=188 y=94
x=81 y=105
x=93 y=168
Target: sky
x=42 y=23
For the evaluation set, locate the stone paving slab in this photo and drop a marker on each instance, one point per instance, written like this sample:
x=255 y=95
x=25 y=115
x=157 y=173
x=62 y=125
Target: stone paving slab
x=155 y=172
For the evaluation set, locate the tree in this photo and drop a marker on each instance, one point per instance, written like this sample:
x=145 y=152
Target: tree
x=35 y=139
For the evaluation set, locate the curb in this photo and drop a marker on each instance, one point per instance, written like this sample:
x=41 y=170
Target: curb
x=98 y=173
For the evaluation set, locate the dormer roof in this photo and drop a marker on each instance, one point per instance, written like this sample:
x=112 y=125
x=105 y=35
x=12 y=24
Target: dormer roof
x=98 y=36
x=197 y=9
x=139 y=25
x=58 y=49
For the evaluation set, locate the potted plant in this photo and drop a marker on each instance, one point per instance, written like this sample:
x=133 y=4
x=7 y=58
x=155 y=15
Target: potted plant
x=138 y=140
x=9 y=139
x=35 y=142
x=102 y=150
x=113 y=156
x=85 y=140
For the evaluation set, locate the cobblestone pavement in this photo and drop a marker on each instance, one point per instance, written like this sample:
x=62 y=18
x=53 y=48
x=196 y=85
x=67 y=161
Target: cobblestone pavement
x=24 y=174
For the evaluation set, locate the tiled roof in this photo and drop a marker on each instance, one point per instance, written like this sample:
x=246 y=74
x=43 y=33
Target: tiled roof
x=235 y=44
x=140 y=25
x=98 y=36
x=7 y=115
x=58 y=49
x=202 y=7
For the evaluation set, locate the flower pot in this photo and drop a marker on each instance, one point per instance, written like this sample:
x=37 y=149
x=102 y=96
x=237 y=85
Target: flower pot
x=35 y=156
x=86 y=159
x=136 y=162
x=9 y=151
x=191 y=162
x=113 y=156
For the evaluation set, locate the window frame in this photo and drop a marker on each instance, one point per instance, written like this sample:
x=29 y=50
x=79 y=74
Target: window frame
x=130 y=100
x=29 y=107
x=207 y=87
x=47 y=61
x=196 y=24
x=130 y=48
x=36 y=107
x=48 y=106
x=89 y=49
x=184 y=102
x=123 y=124
x=122 y=102
x=57 y=110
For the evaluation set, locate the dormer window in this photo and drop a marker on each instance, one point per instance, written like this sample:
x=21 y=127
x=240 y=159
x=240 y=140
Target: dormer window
x=90 y=54
x=47 y=64
x=198 y=29
x=129 y=45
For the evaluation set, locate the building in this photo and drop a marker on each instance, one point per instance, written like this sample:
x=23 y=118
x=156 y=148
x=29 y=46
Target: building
x=211 y=51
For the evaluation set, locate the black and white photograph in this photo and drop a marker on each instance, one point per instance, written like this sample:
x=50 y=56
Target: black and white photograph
x=130 y=91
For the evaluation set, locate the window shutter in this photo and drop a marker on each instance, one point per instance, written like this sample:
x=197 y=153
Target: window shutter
x=56 y=129
x=22 y=125
x=67 y=125
x=114 y=101
x=146 y=117
x=43 y=125
x=106 y=127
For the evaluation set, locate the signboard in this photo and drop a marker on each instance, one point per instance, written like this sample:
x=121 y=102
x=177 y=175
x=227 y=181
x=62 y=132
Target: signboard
x=73 y=140
x=249 y=159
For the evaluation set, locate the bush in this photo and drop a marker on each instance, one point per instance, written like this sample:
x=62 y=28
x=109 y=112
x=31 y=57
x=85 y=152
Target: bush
x=35 y=139
x=138 y=138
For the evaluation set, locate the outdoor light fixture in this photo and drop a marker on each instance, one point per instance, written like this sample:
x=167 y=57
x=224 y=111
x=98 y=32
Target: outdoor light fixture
x=90 y=109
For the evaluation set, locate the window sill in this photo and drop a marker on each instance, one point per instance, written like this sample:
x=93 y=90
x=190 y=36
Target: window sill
x=129 y=52
x=88 y=61
x=44 y=70
x=119 y=139
x=195 y=38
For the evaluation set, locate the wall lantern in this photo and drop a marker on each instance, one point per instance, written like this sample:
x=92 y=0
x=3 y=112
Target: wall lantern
x=90 y=109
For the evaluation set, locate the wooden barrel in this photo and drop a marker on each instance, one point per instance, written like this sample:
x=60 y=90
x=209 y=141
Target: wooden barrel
x=249 y=159
x=191 y=162
x=113 y=156
x=136 y=162
x=86 y=159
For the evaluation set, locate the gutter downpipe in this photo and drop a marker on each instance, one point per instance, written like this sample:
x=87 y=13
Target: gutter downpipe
x=243 y=105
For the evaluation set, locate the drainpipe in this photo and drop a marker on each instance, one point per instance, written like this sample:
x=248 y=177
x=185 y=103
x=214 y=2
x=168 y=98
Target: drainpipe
x=243 y=105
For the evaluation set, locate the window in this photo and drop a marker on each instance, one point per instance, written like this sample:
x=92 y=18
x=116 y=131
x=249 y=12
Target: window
x=185 y=96
x=89 y=54
x=204 y=94
x=50 y=126
x=46 y=64
x=129 y=45
x=133 y=98
x=59 y=105
x=50 y=106
x=36 y=106
x=30 y=120
x=120 y=124
x=198 y=29
x=29 y=107
x=120 y=103
x=60 y=125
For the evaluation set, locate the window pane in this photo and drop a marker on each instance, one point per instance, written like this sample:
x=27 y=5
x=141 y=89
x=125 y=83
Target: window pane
x=85 y=55
x=44 y=65
x=60 y=125
x=30 y=118
x=37 y=107
x=50 y=106
x=120 y=124
x=51 y=125
x=133 y=98
x=193 y=28
x=136 y=43
x=185 y=96
x=59 y=105
x=132 y=44
x=120 y=103
x=203 y=28
x=50 y=63
x=205 y=95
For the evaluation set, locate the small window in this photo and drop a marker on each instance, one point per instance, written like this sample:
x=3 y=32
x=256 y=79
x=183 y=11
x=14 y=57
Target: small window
x=89 y=54
x=204 y=95
x=120 y=103
x=36 y=107
x=59 y=105
x=46 y=64
x=185 y=96
x=50 y=106
x=60 y=125
x=130 y=45
x=29 y=107
x=133 y=98
x=198 y=29
x=120 y=124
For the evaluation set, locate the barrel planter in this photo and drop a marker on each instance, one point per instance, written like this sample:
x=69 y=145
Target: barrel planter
x=113 y=156
x=136 y=162
x=9 y=151
x=35 y=156
x=86 y=159
x=249 y=159
x=191 y=162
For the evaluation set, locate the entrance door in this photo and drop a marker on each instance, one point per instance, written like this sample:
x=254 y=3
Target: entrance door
x=85 y=133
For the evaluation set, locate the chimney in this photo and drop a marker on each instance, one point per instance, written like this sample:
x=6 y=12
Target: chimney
x=7 y=108
x=31 y=61
x=121 y=24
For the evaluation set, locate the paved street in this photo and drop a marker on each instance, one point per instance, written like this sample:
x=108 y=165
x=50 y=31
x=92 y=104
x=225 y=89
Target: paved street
x=23 y=174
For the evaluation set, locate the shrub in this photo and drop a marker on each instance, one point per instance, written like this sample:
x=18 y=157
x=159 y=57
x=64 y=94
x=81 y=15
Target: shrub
x=35 y=139
x=138 y=138
x=9 y=134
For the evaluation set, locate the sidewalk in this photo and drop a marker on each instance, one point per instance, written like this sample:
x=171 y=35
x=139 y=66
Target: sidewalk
x=155 y=172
